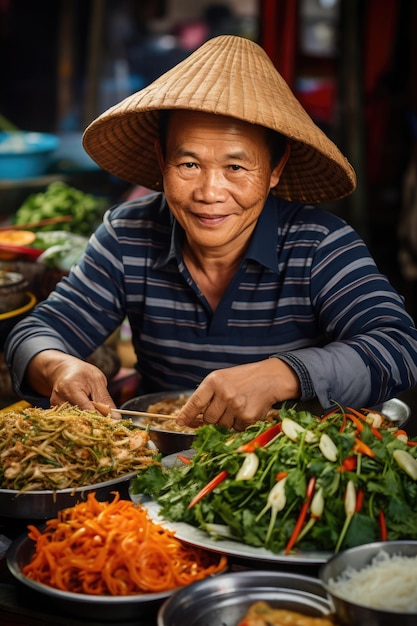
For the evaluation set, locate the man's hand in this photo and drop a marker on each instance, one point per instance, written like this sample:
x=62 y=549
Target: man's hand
x=65 y=378
x=238 y=396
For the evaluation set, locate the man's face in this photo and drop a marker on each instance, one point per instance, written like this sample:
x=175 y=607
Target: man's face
x=217 y=175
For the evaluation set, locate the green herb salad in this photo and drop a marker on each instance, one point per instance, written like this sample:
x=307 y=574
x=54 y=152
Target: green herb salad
x=301 y=483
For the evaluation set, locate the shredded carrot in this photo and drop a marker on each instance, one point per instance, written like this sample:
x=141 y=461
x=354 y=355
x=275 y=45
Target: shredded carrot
x=102 y=548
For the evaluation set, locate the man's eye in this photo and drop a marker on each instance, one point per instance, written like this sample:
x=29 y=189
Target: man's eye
x=189 y=165
x=235 y=168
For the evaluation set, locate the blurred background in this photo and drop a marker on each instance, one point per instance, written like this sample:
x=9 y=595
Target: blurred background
x=352 y=63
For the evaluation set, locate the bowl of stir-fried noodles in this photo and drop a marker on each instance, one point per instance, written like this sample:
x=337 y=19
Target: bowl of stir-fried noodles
x=52 y=458
x=167 y=435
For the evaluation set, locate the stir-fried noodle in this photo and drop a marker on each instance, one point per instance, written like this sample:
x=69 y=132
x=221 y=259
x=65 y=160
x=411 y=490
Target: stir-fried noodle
x=66 y=447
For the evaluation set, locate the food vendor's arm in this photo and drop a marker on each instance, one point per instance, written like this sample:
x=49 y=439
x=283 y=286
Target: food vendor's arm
x=78 y=316
x=368 y=347
x=65 y=378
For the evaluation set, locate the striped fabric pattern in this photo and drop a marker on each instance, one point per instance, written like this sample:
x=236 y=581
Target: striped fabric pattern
x=307 y=291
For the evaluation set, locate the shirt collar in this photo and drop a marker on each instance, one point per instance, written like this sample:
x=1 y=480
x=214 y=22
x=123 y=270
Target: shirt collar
x=262 y=246
x=174 y=250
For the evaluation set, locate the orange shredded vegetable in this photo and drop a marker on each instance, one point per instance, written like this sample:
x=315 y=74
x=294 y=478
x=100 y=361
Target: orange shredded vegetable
x=115 y=549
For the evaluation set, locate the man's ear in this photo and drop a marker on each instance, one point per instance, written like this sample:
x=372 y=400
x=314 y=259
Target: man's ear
x=279 y=168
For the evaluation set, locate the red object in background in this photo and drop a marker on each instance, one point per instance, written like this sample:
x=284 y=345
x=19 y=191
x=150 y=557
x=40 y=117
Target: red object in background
x=279 y=28
x=318 y=97
x=380 y=36
x=124 y=385
x=19 y=253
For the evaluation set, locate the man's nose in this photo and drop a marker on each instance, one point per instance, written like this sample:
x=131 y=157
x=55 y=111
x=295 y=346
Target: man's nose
x=210 y=186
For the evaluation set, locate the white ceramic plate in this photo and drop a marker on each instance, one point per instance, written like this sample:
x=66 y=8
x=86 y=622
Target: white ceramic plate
x=197 y=537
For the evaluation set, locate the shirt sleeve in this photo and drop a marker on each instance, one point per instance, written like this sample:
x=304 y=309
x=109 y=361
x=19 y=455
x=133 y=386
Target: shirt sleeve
x=79 y=315
x=368 y=350
x=337 y=374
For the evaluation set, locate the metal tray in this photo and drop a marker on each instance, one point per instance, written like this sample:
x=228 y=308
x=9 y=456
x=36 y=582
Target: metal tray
x=225 y=599
x=104 y=608
x=41 y=505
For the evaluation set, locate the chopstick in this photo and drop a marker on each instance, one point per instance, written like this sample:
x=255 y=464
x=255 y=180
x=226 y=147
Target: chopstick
x=159 y=416
x=46 y=222
x=104 y=409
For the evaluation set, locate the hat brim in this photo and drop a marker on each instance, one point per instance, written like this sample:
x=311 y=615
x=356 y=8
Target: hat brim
x=230 y=76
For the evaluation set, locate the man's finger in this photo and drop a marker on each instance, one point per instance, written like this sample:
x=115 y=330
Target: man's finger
x=195 y=405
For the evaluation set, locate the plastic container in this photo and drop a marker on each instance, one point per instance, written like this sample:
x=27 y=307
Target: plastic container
x=25 y=154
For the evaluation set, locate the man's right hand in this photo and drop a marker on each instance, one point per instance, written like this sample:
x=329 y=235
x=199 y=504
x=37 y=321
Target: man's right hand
x=65 y=378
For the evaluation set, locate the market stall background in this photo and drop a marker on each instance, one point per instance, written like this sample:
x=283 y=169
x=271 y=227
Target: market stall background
x=353 y=64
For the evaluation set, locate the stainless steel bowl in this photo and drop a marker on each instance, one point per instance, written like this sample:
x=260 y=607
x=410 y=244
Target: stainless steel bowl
x=397 y=411
x=41 y=505
x=167 y=441
x=226 y=598
x=13 y=287
x=351 y=613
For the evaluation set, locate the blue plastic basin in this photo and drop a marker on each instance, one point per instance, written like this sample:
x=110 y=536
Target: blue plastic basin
x=25 y=154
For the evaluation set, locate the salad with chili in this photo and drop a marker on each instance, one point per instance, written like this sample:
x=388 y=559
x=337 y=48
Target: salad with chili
x=302 y=483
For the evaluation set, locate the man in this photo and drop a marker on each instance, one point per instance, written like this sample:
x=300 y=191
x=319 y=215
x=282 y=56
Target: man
x=232 y=282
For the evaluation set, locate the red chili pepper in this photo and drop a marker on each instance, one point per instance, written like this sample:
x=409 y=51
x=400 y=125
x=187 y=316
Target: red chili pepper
x=363 y=448
x=302 y=516
x=349 y=464
x=376 y=432
x=359 y=415
x=401 y=433
x=358 y=423
x=212 y=484
x=325 y=417
x=184 y=459
x=335 y=412
x=280 y=475
x=359 y=500
x=382 y=526
x=261 y=440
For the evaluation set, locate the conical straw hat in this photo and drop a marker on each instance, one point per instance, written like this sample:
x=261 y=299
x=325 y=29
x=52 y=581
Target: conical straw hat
x=231 y=76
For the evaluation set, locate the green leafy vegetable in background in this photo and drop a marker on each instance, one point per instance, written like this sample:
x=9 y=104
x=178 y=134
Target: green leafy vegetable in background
x=365 y=494
x=61 y=199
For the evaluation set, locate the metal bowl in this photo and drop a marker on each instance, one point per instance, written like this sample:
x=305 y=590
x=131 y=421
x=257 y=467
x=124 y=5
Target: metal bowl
x=167 y=441
x=104 y=608
x=397 y=411
x=225 y=599
x=351 y=613
x=41 y=505
x=9 y=319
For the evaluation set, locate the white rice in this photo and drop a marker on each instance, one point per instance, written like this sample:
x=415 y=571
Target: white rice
x=389 y=582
